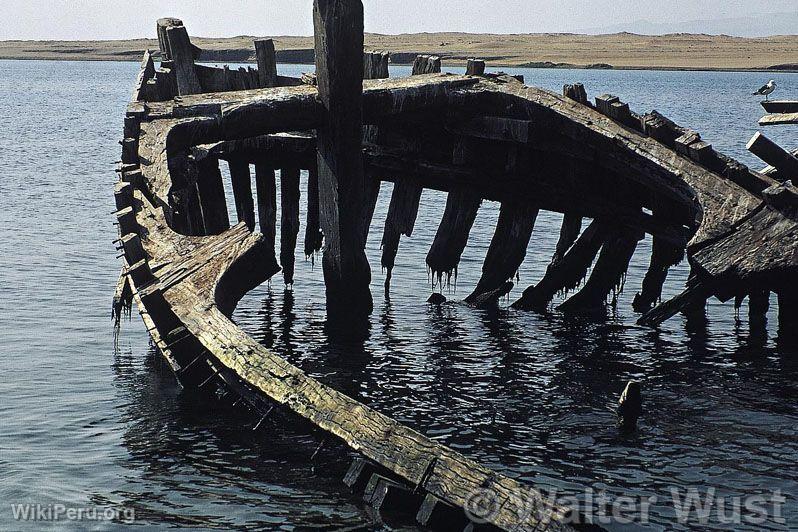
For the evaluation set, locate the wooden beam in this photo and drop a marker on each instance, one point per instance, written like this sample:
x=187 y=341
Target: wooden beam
x=182 y=56
x=780 y=106
x=338 y=26
x=266 y=188
x=241 y=180
x=507 y=247
x=491 y=128
x=779 y=119
x=289 y=221
x=267 y=62
x=773 y=154
x=452 y=236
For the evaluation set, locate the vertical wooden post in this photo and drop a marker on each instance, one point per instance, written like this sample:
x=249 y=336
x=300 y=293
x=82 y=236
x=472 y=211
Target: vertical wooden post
x=267 y=211
x=338 y=26
x=313 y=236
x=267 y=62
x=375 y=66
x=289 y=221
x=182 y=54
x=242 y=191
x=212 y=198
x=476 y=67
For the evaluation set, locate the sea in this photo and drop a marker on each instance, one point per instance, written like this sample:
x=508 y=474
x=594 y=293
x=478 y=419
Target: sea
x=95 y=433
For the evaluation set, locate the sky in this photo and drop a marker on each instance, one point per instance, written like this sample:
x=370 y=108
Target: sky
x=115 y=19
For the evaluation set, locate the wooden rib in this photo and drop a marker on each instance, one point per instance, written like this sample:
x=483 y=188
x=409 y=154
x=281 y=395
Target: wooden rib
x=608 y=273
x=507 y=247
x=241 y=180
x=266 y=188
x=289 y=221
x=452 y=235
x=663 y=256
x=568 y=272
x=212 y=197
x=313 y=236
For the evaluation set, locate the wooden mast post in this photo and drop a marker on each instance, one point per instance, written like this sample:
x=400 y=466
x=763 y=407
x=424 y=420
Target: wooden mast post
x=338 y=28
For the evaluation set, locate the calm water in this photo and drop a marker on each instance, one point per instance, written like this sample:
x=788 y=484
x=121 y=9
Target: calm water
x=85 y=423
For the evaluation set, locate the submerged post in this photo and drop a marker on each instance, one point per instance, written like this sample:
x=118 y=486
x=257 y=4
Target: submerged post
x=338 y=28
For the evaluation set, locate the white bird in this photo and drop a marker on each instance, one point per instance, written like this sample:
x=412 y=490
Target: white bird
x=766 y=90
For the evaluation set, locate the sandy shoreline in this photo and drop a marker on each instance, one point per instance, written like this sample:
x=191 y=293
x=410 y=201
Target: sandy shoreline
x=617 y=51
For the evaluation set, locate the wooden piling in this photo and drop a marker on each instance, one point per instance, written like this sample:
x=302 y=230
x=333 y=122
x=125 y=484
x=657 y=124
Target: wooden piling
x=783 y=161
x=212 y=197
x=475 y=67
x=267 y=62
x=338 y=26
x=182 y=55
x=266 y=188
x=608 y=273
x=507 y=247
x=289 y=221
x=241 y=180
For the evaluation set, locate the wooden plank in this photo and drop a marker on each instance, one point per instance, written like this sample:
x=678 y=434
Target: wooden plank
x=452 y=235
x=182 y=56
x=241 y=180
x=338 y=26
x=507 y=247
x=779 y=119
x=289 y=221
x=267 y=62
x=266 y=188
x=780 y=106
x=773 y=154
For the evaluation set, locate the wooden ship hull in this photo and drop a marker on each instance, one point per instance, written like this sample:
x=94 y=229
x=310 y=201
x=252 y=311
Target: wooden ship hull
x=477 y=137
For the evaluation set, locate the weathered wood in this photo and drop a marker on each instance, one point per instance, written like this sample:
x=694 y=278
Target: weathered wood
x=401 y=219
x=576 y=92
x=475 y=67
x=313 y=235
x=375 y=65
x=569 y=232
x=568 y=272
x=608 y=274
x=289 y=221
x=182 y=56
x=758 y=306
x=338 y=28
x=212 y=197
x=779 y=119
x=630 y=407
x=163 y=41
x=663 y=256
x=694 y=296
x=267 y=62
x=266 y=188
x=241 y=180
x=507 y=247
x=426 y=64
x=780 y=106
x=773 y=154
x=492 y=128
x=146 y=74
x=452 y=235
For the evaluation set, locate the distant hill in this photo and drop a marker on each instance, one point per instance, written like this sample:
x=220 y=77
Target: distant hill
x=759 y=25
x=620 y=50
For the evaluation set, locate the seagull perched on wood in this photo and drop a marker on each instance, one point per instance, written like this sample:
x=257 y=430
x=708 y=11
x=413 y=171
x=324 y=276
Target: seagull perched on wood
x=766 y=90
